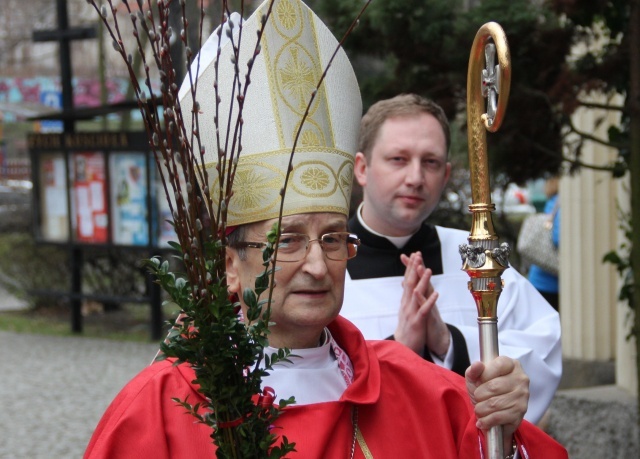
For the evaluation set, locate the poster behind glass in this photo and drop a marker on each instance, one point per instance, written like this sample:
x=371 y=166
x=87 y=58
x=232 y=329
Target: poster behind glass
x=130 y=220
x=89 y=202
x=54 y=209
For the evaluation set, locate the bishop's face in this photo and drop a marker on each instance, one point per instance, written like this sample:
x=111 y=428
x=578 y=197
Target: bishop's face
x=308 y=293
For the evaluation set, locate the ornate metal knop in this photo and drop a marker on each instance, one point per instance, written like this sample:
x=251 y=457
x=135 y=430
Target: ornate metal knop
x=501 y=254
x=472 y=255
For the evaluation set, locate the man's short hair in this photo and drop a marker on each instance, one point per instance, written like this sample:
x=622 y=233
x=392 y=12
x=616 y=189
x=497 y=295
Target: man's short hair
x=401 y=105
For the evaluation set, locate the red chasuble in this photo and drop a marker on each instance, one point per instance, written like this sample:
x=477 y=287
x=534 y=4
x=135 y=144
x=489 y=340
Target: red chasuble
x=406 y=407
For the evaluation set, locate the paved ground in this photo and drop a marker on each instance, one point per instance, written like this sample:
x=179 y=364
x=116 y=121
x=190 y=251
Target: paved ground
x=53 y=390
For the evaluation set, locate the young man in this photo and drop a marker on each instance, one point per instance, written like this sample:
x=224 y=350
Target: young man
x=402 y=165
x=354 y=399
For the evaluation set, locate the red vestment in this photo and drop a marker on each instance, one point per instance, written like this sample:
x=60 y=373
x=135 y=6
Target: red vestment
x=407 y=408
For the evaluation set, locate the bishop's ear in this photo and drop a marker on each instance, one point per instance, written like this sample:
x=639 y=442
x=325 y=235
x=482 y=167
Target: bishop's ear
x=233 y=275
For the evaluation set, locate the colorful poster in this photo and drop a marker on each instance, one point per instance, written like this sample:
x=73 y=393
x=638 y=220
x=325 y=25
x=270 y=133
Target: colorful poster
x=130 y=220
x=89 y=211
x=54 y=210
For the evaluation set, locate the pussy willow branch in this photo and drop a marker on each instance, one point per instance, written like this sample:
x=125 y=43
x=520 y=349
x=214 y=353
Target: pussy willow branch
x=173 y=127
x=149 y=112
x=193 y=136
x=173 y=149
x=233 y=163
x=224 y=192
x=178 y=160
x=187 y=216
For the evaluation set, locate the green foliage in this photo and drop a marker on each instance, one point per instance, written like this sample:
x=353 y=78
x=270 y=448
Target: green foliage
x=25 y=266
x=226 y=354
x=423 y=47
x=621 y=259
x=28 y=270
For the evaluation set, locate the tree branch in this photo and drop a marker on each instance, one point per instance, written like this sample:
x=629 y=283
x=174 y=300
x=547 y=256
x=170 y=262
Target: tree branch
x=585 y=104
x=568 y=159
x=593 y=138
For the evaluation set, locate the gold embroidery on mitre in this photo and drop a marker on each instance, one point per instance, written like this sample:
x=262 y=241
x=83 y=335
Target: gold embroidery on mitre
x=314 y=185
x=298 y=78
x=291 y=51
x=249 y=189
x=345 y=180
x=256 y=189
x=315 y=178
x=309 y=139
x=286 y=14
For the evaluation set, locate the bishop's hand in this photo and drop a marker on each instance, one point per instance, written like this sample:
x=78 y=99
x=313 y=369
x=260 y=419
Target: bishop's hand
x=500 y=392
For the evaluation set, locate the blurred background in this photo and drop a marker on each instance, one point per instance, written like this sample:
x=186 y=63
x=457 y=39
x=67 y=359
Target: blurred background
x=81 y=204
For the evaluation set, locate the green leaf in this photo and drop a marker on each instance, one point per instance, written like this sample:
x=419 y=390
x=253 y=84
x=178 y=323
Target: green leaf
x=612 y=257
x=250 y=298
x=175 y=246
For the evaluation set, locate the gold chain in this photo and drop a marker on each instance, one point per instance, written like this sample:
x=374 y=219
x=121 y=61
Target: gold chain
x=354 y=422
x=357 y=435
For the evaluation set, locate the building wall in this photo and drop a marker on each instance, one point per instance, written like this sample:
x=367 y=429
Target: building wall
x=594 y=322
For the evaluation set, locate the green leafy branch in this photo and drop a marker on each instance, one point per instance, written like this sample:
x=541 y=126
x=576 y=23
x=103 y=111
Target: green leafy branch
x=230 y=378
x=621 y=259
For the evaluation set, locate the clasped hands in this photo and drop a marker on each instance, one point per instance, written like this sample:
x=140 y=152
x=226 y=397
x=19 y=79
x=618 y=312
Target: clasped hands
x=499 y=390
x=419 y=322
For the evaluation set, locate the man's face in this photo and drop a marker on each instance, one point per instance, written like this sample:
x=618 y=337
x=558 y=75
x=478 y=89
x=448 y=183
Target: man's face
x=308 y=293
x=405 y=176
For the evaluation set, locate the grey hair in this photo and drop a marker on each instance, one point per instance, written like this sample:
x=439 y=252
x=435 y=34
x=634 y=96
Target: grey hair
x=236 y=236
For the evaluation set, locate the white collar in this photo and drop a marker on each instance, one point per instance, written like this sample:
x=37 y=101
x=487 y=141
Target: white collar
x=398 y=241
x=314 y=375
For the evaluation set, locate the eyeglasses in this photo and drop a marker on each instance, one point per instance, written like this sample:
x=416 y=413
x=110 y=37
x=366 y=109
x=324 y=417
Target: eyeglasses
x=295 y=246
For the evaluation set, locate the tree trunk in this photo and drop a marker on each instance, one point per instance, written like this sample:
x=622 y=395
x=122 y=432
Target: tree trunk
x=634 y=169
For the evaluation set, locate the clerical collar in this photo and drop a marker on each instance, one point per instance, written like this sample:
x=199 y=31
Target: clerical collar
x=313 y=375
x=398 y=241
x=324 y=338
x=318 y=357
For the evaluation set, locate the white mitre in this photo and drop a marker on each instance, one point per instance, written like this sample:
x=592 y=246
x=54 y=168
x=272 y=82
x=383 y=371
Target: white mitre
x=295 y=49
